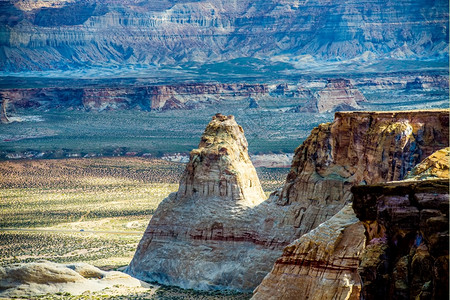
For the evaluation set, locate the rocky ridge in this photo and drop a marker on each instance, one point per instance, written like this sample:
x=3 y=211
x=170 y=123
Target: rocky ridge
x=73 y=34
x=213 y=250
x=159 y=97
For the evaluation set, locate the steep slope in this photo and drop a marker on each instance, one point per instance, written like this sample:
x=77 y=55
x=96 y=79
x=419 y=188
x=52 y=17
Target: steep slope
x=406 y=226
x=41 y=35
x=323 y=264
x=234 y=241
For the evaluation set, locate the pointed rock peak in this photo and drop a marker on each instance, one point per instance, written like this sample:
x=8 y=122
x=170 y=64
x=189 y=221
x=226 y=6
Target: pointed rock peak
x=221 y=166
x=223 y=137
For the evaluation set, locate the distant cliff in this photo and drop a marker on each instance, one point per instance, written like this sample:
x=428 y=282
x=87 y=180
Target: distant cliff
x=42 y=35
x=158 y=97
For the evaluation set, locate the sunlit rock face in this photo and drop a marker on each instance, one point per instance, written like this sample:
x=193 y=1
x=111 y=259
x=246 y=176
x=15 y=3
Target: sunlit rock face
x=406 y=224
x=218 y=232
x=41 y=35
x=357 y=148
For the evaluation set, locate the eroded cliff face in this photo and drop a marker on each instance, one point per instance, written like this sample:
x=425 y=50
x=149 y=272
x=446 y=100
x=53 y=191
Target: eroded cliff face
x=363 y=148
x=209 y=235
x=41 y=35
x=322 y=264
x=357 y=148
x=160 y=97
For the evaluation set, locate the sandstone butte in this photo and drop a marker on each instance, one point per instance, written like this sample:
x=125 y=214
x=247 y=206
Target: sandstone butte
x=218 y=232
x=338 y=94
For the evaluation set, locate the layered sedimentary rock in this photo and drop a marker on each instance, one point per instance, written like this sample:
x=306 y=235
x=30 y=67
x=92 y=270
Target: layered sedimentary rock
x=339 y=94
x=205 y=236
x=406 y=224
x=209 y=234
x=161 y=97
x=40 y=35
x=357 y=148
x=322 y=264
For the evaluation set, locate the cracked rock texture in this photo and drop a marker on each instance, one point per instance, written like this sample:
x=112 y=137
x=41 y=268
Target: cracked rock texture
x=407 y=229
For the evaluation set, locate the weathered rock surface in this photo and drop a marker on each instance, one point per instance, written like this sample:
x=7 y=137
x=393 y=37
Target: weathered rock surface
x=406 y=225
x=40 y=278
x=407 y=229
x=199 y=235
x=320 y=166
x=217 y=232
x=322 y=264
x=363 y=148
x=41 y=35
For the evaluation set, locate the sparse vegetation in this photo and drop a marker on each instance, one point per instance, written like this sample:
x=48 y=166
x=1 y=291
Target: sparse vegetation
x=91 y=210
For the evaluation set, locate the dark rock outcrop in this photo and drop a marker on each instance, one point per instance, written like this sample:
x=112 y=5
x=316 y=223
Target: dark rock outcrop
x=407 y=230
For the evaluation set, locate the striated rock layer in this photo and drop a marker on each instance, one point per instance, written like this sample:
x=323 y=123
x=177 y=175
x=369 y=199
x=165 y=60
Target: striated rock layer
x=160 y=97
x=217 y=232
x=406 y=224
x=323 y=264
x=42 y=35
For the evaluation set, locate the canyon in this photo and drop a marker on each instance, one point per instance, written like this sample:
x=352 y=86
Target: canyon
x=240 y=235
x=67 y=35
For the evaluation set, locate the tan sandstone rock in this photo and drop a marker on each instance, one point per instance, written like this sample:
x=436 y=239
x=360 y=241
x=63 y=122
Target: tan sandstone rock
x=217 y=232
x=357 y=148
x=322 y=264
x=44 y=277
